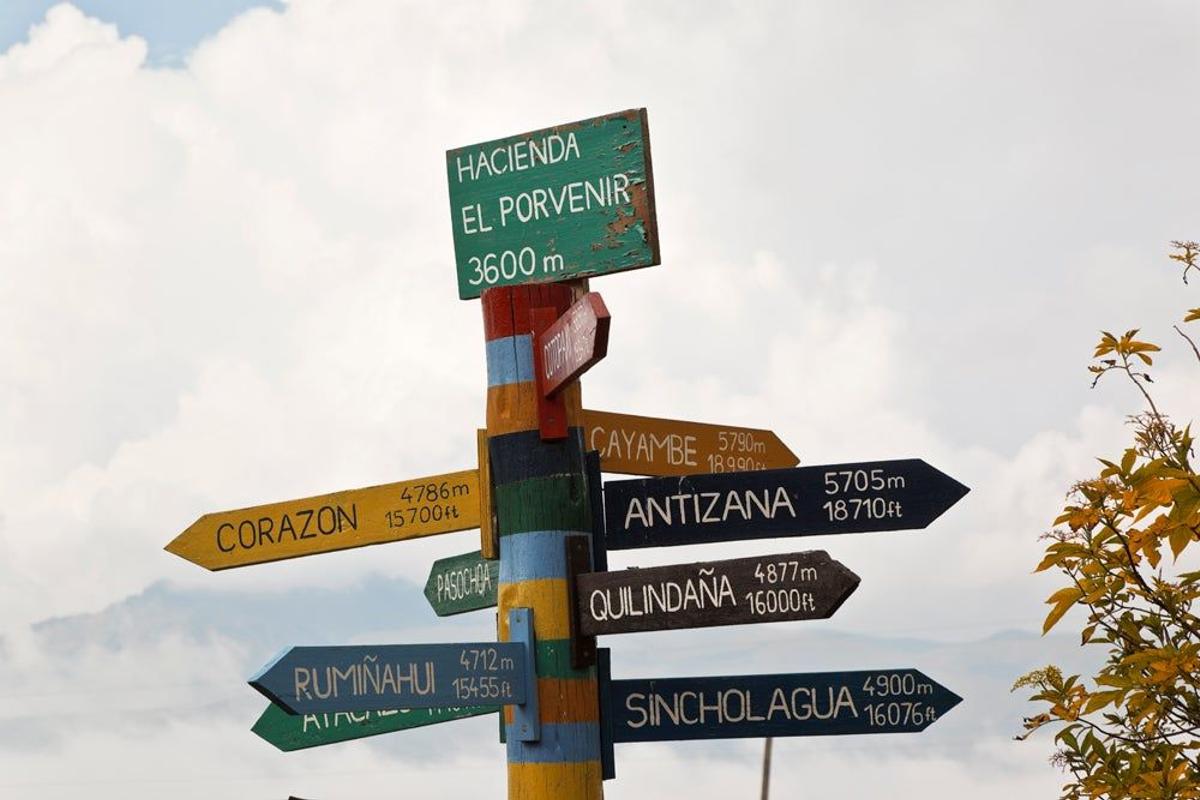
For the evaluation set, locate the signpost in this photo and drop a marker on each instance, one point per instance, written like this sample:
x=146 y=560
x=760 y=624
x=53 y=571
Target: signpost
x=462 y=583
x=740 y=591
x=316 y=680
x=812 y=704
x=573 y=343
x=542 y=208
x=290 y=732
x=328 y=522
x=558 y=203
x=650 y=446
x=835 y=498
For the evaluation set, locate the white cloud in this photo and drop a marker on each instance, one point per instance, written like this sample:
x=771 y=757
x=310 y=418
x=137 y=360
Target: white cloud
x=149 y=695
x=886 y=233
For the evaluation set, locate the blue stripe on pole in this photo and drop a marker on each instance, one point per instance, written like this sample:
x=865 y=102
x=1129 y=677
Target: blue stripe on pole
x=510 y=360
x=561 y=742
x=534 y=555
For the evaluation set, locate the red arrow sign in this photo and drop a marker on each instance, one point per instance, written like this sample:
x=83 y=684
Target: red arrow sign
x=569 y=347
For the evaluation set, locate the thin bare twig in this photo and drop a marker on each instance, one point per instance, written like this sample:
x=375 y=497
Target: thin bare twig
x=1189 y=341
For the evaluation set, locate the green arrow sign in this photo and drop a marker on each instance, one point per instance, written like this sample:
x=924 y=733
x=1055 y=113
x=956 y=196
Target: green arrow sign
x=462 y=583
x=298 y=731
x=563 y=202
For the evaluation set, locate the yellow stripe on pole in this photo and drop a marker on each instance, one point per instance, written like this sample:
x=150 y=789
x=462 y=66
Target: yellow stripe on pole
x=324 y=523
x=549 y=595
x=544 y=781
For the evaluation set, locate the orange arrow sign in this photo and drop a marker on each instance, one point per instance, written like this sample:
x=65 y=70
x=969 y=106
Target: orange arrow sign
x=634 y=445
x=353 y=518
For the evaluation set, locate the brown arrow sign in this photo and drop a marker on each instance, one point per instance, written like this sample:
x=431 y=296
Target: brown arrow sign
x=635 y=445
x=777 y=588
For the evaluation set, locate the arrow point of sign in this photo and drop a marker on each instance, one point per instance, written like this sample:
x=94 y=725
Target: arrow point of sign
x=952 y=699
x=791 y=458
x=852 y=580
x=603 y=322
x=954 y=490
x=431 y=597
x=183 y=545
x=257 y=680
x=943 y=699
x=260 y=729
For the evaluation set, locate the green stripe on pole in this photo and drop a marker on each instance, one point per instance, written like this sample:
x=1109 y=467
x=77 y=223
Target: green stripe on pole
x=554 y=661
x=557 y=503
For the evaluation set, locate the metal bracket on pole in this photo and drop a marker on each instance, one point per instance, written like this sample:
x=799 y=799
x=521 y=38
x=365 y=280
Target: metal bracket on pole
x=489 y=539
x=583 y=648
x=527 y=727
x=596 y=499
x=608 y=760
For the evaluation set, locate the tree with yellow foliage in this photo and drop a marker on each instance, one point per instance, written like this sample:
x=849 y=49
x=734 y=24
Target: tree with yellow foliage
x=1124 y=544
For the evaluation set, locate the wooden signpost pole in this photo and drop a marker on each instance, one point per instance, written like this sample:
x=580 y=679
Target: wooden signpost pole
x=541 y=499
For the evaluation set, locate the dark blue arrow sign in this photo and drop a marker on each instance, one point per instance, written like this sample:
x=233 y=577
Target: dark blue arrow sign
x=313 y=680
x=721 y=507
x=813 y=704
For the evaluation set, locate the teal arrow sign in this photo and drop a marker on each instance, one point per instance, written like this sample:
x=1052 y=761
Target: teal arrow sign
x=462 y=583
x=290 y=732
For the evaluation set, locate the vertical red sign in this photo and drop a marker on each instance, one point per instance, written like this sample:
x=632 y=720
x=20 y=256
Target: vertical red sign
x=572 y=344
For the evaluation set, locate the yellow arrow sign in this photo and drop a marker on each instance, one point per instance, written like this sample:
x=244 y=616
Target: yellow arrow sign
x=337 y=521
x=649 y=446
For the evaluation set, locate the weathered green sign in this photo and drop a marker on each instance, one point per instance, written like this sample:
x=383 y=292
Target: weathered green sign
x=462 y=583
x=563 y=202
x=298 y=731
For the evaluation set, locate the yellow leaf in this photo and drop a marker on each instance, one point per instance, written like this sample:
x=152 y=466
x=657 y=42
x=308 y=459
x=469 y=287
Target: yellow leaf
x=1153 y=554
x=1107 y=344
x=1101 y=699
x=1181 y=536
x=1067 y=595
x=1160 y=490
x=1054 y=616
x=1049 y=561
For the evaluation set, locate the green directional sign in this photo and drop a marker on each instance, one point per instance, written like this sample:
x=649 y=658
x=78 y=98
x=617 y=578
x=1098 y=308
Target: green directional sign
x=298 y=731
x=462 y=583
x=563 y=202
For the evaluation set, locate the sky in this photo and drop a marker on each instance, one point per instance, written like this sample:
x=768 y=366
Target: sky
x=888 y=229
x=170 y=29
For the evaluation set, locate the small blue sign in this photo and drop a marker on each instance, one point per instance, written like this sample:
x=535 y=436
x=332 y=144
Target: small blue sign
x=812 y=704
x=312 y=680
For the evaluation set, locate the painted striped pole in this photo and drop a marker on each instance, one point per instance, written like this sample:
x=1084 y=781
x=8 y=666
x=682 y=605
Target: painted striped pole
x=541 y=498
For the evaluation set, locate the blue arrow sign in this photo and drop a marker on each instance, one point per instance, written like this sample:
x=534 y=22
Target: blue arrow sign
x=812 y=704
x=314 y=680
